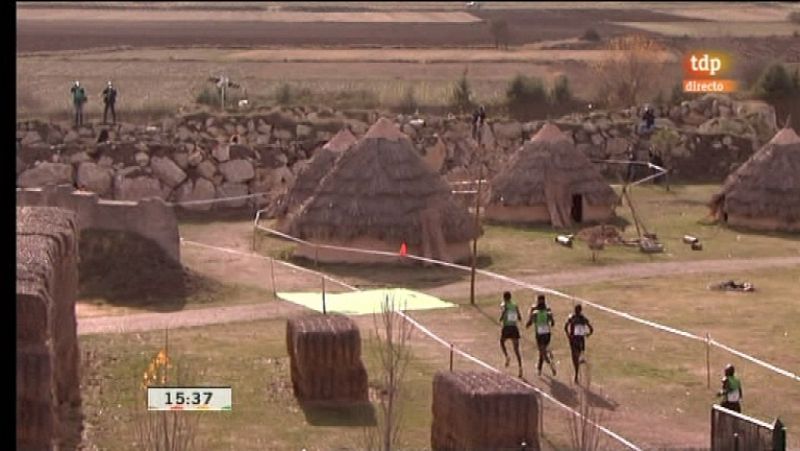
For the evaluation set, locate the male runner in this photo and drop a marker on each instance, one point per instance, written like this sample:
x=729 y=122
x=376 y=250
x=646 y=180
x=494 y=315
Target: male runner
x=577 y=329
x=541 y=315
x=509 y=316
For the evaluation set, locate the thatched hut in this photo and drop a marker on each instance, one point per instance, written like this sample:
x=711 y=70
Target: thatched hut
x=549 y=180
x=322 y=163
x=379 y=195
x=764 y=192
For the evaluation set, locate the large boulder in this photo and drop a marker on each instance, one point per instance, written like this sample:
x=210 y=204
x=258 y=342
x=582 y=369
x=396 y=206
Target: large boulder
x=31 y=137
x=508 y=131
x=136 y=188
x=229 y=189
x=167 y=171
x=237 y=171
x=95 y=178
x=276 y=180
x=435 y=155
x=46 y=174
x=207 y=169
x=200 y=189
x=221 y=153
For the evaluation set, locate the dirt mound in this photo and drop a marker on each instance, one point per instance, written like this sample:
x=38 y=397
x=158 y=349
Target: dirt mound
x=127 y=269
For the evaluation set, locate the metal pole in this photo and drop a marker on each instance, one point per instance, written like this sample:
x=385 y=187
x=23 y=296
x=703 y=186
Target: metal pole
x=324 y=309
x=272 y=275
x=708 y=360
x=475 y=241
x=451 y=356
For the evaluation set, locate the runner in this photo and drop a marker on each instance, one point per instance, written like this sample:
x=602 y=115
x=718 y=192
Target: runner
x=542 y=316
x=509 y=316
x=577 y=329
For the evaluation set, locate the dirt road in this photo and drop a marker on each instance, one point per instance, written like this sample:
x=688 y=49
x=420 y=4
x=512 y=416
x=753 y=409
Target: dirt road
x=273 y=309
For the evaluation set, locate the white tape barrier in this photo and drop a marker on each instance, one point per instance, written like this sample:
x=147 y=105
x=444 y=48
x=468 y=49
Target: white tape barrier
x=542 y=289
x=215 y=200
x=430 y=334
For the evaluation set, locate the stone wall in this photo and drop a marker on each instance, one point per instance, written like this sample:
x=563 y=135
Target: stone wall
x=202 y=156
x=48 y=384
x=149 y=218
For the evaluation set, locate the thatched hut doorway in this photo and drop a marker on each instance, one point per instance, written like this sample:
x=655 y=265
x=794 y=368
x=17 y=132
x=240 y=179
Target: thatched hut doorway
x=577 y=208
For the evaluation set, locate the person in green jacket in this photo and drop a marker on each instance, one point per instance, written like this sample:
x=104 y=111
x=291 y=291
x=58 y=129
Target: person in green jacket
x=78 y=99
x=542 y=317
x=731 y=392
x=509 y=317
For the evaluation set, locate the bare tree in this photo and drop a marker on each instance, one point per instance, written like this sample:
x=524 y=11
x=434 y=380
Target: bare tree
x=631 y=69
x=584 y=436
x=164 y=431
x=393 y=334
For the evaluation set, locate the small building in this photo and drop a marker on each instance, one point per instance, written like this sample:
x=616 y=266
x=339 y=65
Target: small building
x=764 y=192
x=379 y=195
x=549 y=180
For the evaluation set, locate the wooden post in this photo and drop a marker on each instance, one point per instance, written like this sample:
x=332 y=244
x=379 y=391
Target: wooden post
x=778 y=436
x=451 y=356
x=708 y=360
x=316 y=256
x=272 y=275
x=324 y=308
x=475 y=241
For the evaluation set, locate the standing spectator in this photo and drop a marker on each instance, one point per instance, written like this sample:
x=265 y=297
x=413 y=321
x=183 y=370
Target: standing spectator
x=478 y=118
x=731 y=392
x=109 y=98
x=78 y=99
x=649 y=119
x=631 y=155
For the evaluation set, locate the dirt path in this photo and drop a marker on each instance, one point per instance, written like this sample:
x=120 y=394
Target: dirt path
x=217 y=315
x=488 y=285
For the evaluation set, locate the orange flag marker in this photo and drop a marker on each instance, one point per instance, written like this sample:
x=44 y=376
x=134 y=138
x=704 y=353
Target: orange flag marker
x=403 y=249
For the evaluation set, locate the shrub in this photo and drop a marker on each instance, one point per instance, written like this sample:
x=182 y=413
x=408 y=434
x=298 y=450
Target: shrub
x=776 y=83
x=525 y=95
x=561 y=94
x=283 y=94
x=208 y=96
x=591 y=35
x=461 y=99
x=794 y=17
x=500 y=32
x=408 y=104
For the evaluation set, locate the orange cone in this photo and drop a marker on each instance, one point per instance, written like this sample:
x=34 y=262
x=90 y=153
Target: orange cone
x=403 y=249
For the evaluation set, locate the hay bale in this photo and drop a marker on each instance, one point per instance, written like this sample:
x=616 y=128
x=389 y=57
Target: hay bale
x=477 y=410
x=325 y=356
x=48 y=392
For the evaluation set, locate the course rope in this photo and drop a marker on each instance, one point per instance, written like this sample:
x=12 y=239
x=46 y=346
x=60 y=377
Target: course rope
x=433 y=336
x=540 y=289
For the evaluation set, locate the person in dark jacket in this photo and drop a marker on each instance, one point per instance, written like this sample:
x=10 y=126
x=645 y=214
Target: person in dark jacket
x=109 y=100
x=478 y=118
x=78 y=99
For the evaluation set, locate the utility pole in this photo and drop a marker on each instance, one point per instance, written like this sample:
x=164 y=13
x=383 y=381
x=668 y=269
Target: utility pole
x=475 y=241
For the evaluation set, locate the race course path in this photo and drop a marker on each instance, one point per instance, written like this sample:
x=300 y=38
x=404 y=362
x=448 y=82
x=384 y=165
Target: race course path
x=277 y=309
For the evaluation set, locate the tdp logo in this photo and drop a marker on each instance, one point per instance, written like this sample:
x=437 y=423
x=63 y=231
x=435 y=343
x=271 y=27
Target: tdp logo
x=705 y=64
x=705 y=72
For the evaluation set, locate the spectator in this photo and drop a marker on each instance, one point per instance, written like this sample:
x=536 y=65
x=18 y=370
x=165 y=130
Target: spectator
x=78 y=99
x=109 y=99
x=649 y=119
x=478 y=119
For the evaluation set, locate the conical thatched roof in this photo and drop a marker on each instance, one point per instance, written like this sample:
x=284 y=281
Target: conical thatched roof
x=767 y=185
x=379 y=188
x=309 y=178
x=549 y=158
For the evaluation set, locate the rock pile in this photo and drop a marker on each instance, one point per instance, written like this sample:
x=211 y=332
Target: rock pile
x=201 y=156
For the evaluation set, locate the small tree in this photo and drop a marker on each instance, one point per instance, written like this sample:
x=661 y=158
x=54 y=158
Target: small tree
x=525 y=95
x=585 y=436
x=283 y=94
x=561 y=93
x=591 y=35
x=408 y=104
x=776 y=83
x=462 y=95
x=632 y=68
x=393 y=334
x=500 y=32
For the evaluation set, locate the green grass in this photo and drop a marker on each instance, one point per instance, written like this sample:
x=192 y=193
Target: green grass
x=252 y=359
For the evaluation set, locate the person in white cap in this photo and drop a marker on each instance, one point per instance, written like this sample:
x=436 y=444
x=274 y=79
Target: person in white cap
x=109 y=99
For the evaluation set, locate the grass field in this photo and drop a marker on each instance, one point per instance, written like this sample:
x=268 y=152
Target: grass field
x=636 y=371
x=718 y=29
